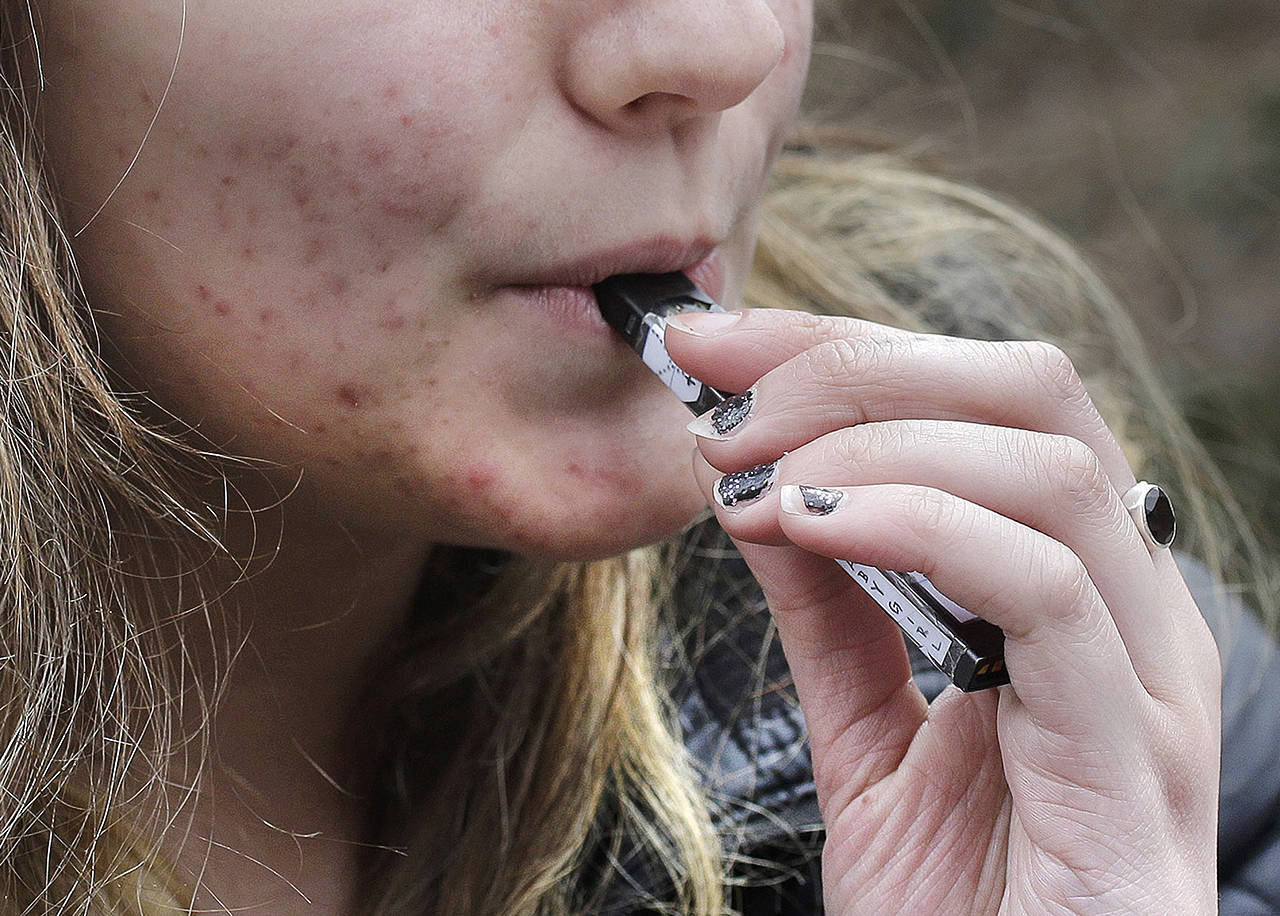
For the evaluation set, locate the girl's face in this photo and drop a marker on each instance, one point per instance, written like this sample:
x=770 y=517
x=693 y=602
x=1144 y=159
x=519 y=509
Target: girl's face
x=357 y=238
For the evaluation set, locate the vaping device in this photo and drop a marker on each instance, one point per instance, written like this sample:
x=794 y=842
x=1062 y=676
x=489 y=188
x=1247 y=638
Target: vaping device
x=966 y=648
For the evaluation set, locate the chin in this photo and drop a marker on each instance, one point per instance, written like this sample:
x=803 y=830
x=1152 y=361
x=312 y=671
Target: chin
x=587 y=528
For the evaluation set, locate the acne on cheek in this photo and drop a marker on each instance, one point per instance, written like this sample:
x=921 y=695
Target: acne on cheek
x=400 y=161
x=354 y=396
x=371 y=190
x=219 y=306
x=480 y=477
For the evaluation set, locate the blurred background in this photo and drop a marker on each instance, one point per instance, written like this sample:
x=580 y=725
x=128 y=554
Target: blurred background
x=1146 y=130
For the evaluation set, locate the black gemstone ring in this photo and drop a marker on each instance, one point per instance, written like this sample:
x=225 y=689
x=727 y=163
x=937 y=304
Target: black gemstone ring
x=1152 y=512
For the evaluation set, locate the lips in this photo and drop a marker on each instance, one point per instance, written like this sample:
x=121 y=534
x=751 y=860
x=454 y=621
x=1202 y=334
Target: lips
x=658 y=255
x=564 y=292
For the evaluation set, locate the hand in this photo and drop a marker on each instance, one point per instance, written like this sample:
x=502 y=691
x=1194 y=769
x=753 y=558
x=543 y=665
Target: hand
x=1089 y=784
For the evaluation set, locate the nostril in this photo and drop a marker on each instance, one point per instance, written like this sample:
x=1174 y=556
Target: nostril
x=651 y=100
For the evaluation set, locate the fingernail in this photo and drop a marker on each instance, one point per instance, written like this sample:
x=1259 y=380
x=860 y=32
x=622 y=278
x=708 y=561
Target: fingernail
x=703 y=324
x=725 y=417
x=806 y=500
x=744 y=486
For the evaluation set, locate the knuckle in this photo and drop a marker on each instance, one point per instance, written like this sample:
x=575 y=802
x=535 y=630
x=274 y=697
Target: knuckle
x=861 y=444
x=832 y=362
x=929 y=511
x=1076 y=475
x=844 y=360
x=1068 y=586
x=1050 y=365
x=819 y=327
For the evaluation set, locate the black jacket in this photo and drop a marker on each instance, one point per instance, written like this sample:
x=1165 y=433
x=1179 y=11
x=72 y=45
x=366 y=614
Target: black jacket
x=743 y=725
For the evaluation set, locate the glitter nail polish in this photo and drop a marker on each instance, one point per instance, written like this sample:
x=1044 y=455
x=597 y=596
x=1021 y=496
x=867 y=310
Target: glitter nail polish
x=744 y=486
x=820 y=500
x=730 y=413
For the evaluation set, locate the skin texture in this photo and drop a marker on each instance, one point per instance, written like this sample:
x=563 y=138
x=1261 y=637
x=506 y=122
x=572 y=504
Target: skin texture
x=1087 y=786
x=308 y=258
x=313 y=259
x=321 y=257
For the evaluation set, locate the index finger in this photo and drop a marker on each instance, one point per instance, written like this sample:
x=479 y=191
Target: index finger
x=840 y=372
x=760 y=340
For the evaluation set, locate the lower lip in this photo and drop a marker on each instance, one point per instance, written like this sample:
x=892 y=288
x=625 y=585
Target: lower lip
x=575 y=306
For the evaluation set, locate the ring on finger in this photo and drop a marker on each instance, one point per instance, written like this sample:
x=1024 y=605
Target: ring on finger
x=1152 y=511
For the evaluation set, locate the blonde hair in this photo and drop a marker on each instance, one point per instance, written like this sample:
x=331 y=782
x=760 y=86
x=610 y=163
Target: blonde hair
x=553 y=735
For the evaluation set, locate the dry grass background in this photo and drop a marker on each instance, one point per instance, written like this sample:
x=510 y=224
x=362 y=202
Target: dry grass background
x=1147 y=130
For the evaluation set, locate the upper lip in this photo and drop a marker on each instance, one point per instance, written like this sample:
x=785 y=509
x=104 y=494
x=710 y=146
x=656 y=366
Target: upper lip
x=659 y=254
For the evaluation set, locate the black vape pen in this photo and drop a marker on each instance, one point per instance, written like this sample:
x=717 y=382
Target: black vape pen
x=966 y=648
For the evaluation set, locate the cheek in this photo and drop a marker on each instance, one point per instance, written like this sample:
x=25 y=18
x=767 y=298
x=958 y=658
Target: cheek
x=294 y=242
x=278 y=260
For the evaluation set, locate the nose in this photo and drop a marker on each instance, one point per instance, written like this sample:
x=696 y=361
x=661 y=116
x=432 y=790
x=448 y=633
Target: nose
x=641 y=65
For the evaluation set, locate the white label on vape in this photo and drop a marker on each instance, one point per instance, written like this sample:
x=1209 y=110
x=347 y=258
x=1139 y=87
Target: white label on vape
x=955 y=610
x=654 y=354
x=923 y=631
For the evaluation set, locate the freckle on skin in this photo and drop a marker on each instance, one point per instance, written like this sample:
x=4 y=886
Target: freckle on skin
x=249 y=253
x=392 y=323
x=228 y=181
x=222 y=307
x=203 y=292
x=266 y=315
x=406 y=120
x=153 y=195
